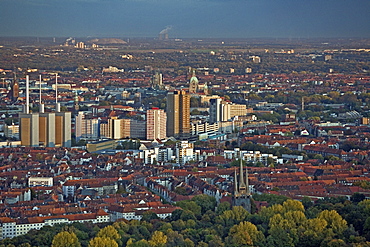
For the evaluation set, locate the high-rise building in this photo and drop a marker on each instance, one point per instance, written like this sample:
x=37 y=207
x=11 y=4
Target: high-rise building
x=155 y=124
x=215 y=110
x=223 y=111
x=86 y=128
x=178 y=114
x=124 y=128
x=137 y=129
x=157 y=81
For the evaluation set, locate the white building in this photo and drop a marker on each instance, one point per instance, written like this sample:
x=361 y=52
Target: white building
x=184 y=152
x=40 y=181
x=10 y=228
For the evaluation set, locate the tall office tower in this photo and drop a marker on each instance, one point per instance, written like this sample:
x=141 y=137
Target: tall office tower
x=47 y=129
x=63 y=135
x=215 y=110
x=155 y=124
x=178 y=114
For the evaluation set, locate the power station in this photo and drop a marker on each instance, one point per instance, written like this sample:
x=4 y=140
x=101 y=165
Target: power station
x=47 y=129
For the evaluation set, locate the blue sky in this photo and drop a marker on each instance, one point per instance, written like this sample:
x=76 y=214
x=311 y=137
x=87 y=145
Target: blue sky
x=189 y=18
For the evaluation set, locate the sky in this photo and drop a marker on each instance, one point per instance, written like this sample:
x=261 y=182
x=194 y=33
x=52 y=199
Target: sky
x=188 y=18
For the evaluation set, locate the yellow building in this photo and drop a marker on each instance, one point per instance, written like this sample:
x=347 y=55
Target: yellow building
x=101 y=145
x=178 y=114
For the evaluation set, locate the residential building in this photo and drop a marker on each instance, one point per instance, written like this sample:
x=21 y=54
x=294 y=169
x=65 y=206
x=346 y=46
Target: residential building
x=86 y=128
x=178 y=114
x=156 y=124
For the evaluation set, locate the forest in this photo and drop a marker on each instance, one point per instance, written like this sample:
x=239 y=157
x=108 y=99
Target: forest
x=201 y=222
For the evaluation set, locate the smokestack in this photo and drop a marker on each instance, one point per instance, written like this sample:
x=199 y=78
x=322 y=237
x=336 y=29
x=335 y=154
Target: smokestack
x=42 y=106
x=40 y=88
x=27 y=110
x=57 y=105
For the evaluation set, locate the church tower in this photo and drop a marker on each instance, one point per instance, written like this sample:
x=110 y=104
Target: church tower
x=15 y=88
x=242 y=194
x=193 y=84
x=76 y=104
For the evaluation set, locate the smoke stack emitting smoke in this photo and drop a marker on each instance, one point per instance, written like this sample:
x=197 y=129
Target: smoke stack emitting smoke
x=164 y=33
x=168 y=28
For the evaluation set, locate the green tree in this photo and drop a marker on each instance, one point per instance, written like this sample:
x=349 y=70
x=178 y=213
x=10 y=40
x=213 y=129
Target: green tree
x=307 y=202
x=158 y=239
x=279 y=237
x=65 y=239
x=312 y=232
x=102 y=242
x=109 y=232
x=334 y=220
x=222 y=207
x=236 y=214
x=149 y=215
x=293 y=205
x=245 y=233
x=205 y=202
x=190 y=205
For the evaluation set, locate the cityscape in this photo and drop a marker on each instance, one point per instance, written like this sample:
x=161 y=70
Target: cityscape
x=170 y=138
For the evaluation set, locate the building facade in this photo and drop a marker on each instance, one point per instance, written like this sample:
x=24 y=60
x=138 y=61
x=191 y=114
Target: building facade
x=156 y=124
x=178 y=114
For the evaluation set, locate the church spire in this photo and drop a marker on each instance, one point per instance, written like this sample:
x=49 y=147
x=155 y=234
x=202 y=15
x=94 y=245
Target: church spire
x=235 y=183
x=246 y=181
x=242 y=182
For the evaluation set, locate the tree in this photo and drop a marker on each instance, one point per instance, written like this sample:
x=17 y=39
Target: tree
x=149 y=215
x=190 y=205
x=357 y=197
x=312 y=232
x=102 y=242
x=307 y=202
x=65 y=239
x=237 y=214
x=205 y=202
x=245 y=233
x=279 y=237
x=293 y=205
x=334 y=220
x=158 y=239
x=222 y=207
x=109 y=232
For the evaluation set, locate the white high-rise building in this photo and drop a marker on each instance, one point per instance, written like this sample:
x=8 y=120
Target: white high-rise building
x=156 y=124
